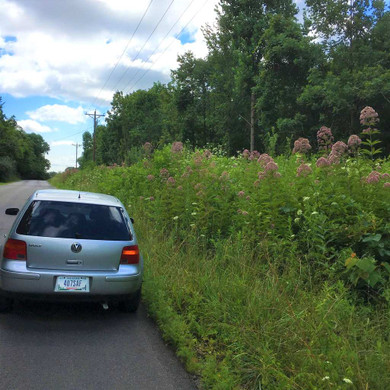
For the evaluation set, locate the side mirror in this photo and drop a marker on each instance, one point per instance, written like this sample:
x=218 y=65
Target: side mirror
x=12 y=211
x=132 y=219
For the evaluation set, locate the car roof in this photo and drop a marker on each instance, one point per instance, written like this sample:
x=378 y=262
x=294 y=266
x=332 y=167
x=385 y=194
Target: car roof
x=76 y=196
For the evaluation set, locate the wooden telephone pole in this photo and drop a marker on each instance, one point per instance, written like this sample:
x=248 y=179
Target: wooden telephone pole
x=77 y=146
x=94 y=116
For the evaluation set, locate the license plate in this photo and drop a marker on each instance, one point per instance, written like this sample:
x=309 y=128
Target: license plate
x=72 y=284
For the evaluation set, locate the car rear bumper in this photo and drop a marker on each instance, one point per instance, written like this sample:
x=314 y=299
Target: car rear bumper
x=42 y=283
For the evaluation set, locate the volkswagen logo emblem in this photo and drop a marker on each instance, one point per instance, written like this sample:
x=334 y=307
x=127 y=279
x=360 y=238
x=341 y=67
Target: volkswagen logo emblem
x=76 y=247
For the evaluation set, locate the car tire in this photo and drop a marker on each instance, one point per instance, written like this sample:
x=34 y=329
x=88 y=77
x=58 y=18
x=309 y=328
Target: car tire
x=6 y=304
x=131 y=305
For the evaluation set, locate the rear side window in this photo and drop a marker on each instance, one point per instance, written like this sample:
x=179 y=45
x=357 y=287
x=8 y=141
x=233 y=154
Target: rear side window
x=74 y=220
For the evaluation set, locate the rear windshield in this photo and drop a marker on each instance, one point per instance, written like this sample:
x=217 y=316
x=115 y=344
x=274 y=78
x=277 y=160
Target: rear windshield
x=74 y=220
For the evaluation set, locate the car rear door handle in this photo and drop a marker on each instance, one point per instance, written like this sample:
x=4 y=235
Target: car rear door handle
x=74 y=262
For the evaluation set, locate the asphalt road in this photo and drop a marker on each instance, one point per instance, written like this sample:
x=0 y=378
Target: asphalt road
x=79 y=346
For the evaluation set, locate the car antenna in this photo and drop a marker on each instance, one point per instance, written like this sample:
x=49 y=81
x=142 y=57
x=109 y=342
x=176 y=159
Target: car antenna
x=79 y=196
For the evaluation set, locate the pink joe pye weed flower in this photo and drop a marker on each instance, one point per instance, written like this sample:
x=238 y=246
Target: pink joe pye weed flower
x=150 y=177
x=304 y=170
x=271 y=166
x=322 y=162
x=177 y=147
x=324 y=138
x=207 y=154
x=147 y=147
x=241 y=194
x=354 y=142
x=246 y=153
x=339 y=148
x=164 y=172
x=373 y=177
x=368 y=116
x=334 y=159
x=264 y=159
x=301 y=145
x=254 y=155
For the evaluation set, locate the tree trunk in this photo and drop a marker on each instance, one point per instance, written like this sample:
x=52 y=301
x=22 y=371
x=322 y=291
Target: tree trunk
x=252 y=147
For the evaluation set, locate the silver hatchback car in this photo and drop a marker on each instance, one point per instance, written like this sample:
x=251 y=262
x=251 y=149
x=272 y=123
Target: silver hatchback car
x=71 y=245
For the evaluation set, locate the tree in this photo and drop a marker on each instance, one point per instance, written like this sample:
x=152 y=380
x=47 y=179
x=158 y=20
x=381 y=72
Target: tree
x=21 y=154
x=87 y=156
x=355 y=38
x=244 y=23
x=288 y=57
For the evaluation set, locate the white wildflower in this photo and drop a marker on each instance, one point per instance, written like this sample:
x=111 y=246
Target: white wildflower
x=346 y=380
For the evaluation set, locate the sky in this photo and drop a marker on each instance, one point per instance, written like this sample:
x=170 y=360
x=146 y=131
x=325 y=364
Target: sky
x=61 y=59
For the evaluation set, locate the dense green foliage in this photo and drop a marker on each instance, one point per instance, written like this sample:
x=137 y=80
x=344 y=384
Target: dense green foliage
x=263 y=68
x=21 y=154
x=264 y=273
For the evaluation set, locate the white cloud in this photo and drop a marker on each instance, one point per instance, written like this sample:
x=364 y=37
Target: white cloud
x=59 y=112
x=58 y=54
x=31 y=126
x=62 y=143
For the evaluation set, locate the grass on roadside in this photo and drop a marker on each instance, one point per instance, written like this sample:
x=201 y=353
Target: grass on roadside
x=239 y=323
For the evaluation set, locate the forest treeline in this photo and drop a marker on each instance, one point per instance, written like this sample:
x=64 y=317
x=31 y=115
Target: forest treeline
x=267 y=72
x=22 y=155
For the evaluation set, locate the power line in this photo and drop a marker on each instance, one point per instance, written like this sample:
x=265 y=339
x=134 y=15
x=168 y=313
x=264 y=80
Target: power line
x=177 y=20
x=155 y=28
x=68 y=136
x=124 y=51
x=181 y=31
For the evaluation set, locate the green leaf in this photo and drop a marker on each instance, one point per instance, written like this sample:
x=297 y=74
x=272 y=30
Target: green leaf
x=366 y=265
x=387 y=266
x=372 y=237
x=351 y=261
x=374 y=278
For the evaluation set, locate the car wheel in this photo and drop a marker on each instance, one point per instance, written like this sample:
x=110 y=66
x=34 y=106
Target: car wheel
x=131 y=305
x=5 y=304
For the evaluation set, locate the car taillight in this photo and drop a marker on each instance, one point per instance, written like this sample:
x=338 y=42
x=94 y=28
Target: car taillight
x=15 y=250
x=130 y=255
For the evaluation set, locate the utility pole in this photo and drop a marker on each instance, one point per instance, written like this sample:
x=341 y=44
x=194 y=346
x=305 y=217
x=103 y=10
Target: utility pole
x=77 y=146
x=94 y=116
